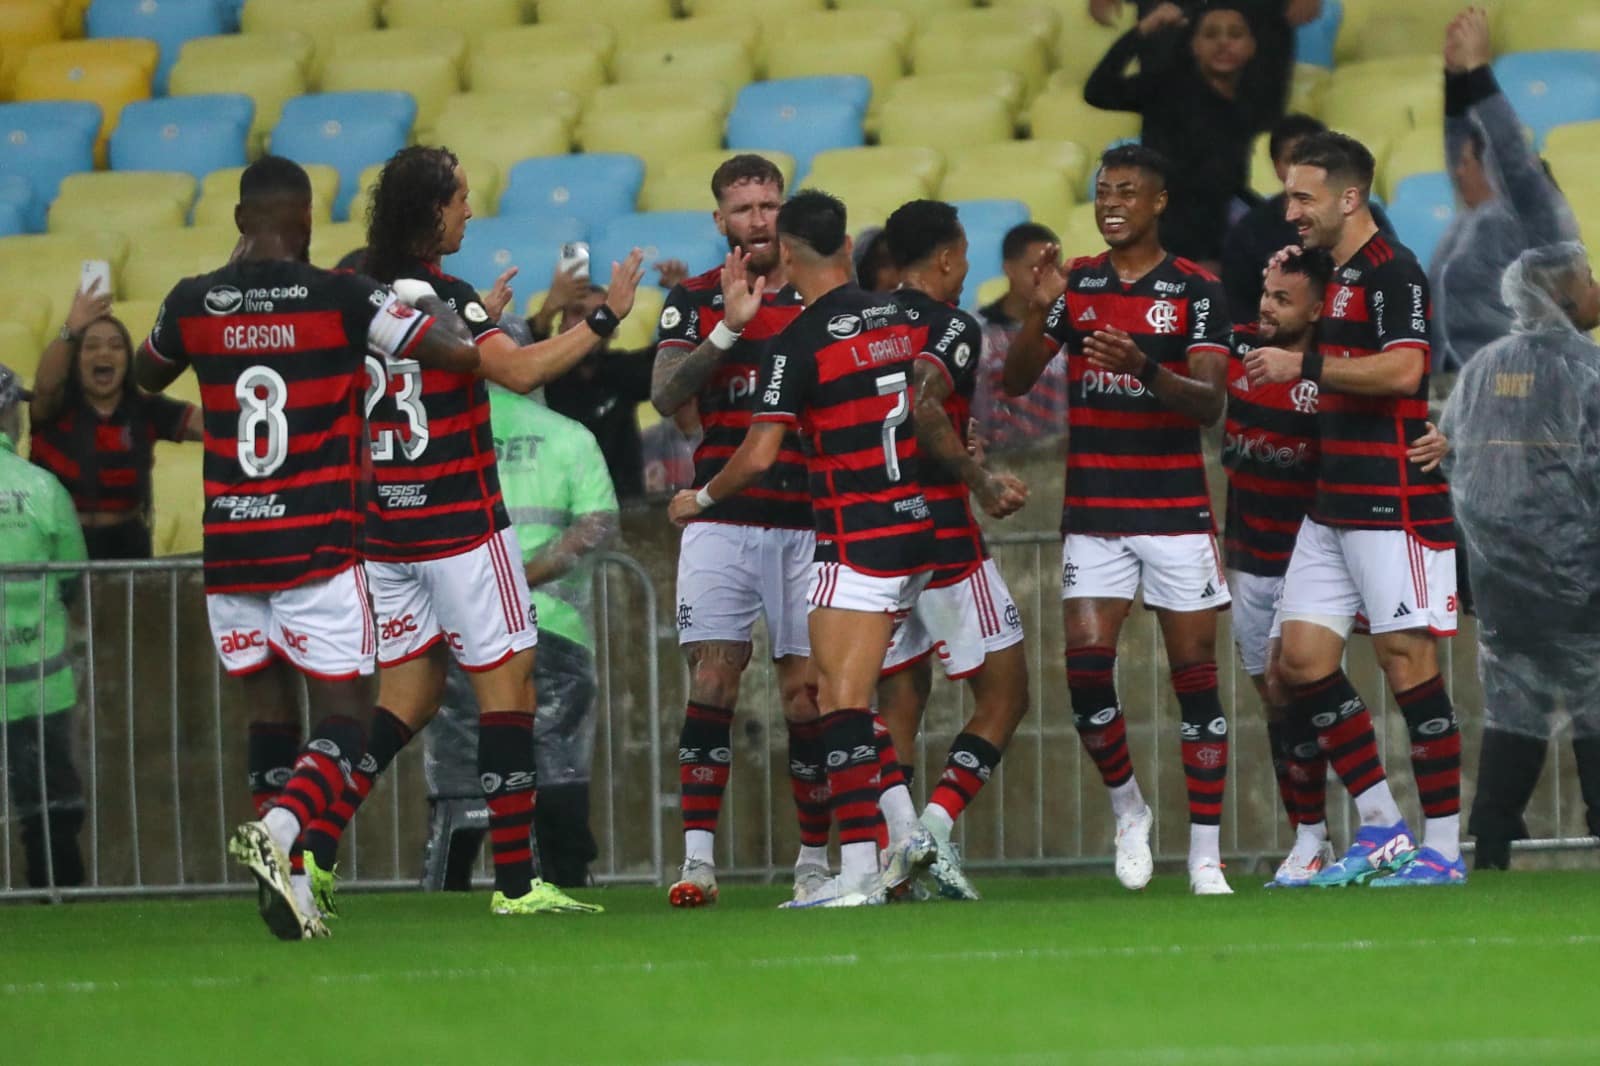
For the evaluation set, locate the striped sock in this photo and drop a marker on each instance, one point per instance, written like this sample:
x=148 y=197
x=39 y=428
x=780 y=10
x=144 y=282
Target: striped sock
x=966 y=770
x=705 y=759
x=1095 y=714
x=809 y=782
x=506 y=767
x=322 y=771
x=1436 y=762
x=1204 y=740
x=386 y=737
x=272 y=749
x=1346 y=736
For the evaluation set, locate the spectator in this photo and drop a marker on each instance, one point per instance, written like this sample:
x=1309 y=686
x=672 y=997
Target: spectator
x=1007 y=423
x=1203 y=90
x=875 y=270
x=95 y=430
x=563 y=508
x=1525 y=479
x=1508 y=203
x=37 y=688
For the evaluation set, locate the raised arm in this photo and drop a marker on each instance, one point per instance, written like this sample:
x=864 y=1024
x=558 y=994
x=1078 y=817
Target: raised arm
x=50 y=379
x=681 y=370
x=1032 y=349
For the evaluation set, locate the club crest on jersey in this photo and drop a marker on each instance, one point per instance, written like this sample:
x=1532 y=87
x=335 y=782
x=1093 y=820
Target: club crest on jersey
x=475 y=313
x=1163 y=316
x=1304 y=397
x=1341 y=301
x=223 y=300
x=843 y=327
x=963 y=355
x=670 y=317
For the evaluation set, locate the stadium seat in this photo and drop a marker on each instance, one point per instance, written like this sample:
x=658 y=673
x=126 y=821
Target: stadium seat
x=937 y=91
x=1541 y=25
x=1377 y=29
x=13 y=220
x=1314 y=42
x=991 y=289
x=770 y=98
x=998 y=49
x=425 y=63
x=497 y=111
x=1039 y=21
x=1080 y=235
x=875 y=45
x=770 y=12
x=513 y=73
x=1049 y=195
x=33 y=311
x=177 y=494
x=1056 y=115
x=951 y=124
x=687 y=235
x=219 y=194
x=158 y=259
x=655 y=132
x=1066 y=159
x=798 y=130
x=1081 y=40
x=493 y=244
x=137 y=315
x=16 y=192
x=1384 y=96
x=916 y=10
x=1306 y=86
x=705 y=93
x=743 y=28
x=321 y=21
x=545 y=42
x=346 y=131
x=196 y=134
x=986 y=223
x=499 y=129
x=483 y=184
x=725 y=61
x=1418 y=151
x=43 y=142
x=132 y=201
x=110 y=73
x=169 y=23
x=52 y=263
x=483 y=16
x=592 y=188
x=684 y=182
x=618 y=14
x=269 y=68
x=1551 y=88
x=923 y=165
x=21 y=348
x=332 y=241
x=23 y=24
x=1421 y=209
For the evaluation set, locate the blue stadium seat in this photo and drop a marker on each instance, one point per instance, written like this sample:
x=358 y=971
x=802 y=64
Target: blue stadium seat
x=532 y=245
x=798 y=125
x=197 y=134
x=12 y=221
x=688 y=235
x=1313 y=42
x=592 y=187
x=1551 y=88
x=44 y=141
x=169 y=23
x=1422 y=209
x=986 y=223
x=850 y=89
x=16 y=192
x=347 y=131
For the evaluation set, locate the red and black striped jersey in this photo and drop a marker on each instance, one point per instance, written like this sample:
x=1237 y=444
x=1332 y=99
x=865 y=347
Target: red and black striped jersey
x=1269 y=449
x=951 y=340
x=104 y=460
x=1135 y=467
x=280 y=349
x=693 y=309
x=841 y=373
x=1378 y=301
x=436 y=489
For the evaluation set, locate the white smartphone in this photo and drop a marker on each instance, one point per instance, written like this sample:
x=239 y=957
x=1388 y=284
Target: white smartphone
x=574 y=254
x=95 y=270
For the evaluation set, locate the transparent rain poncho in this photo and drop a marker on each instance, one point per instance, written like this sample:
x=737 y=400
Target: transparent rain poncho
x=1524 y=469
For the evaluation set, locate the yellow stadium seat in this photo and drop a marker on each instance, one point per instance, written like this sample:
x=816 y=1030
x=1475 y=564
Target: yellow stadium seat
x=544 y=41
x=21 y=350
x=29 y=22
x=725 y=61
x=870 y=200
x=500 y=131
x=332 y=241
x=110 y=72
x=1079 y=234
x=1000 y=49
x=992 y=290
x=497 y=109
x=137 y=315
x=1417 y=151
x=980 y=120
x=177 y=491
x=936 y=91
x=578 y=71
x=1306 y=88
x=158 y=260
x=1040 y=21
x=1573 y=137
x=839 y=28
x=916 y=10
x=618 y=14
x=683 y=183
x=711 y=95
x=1540 y=25
x=1081 y=41
x=742 y=27
x=1375 y=29
x=267 y=67
x=924 y=166
x=1066 y=158
x=770 y=12
x=480 y=15
x=638 y=330
x=1588 y=214
x=1263 y=173
x=1049 y=194
x=219 y=194
x=132 y=201
x=322 y=21
x=72 y=17
x=36 y=311
x=52 y=263
x=1386 y=96
x=425 y=63
x=877 y=59
x=654 y=134
x=1064 y=116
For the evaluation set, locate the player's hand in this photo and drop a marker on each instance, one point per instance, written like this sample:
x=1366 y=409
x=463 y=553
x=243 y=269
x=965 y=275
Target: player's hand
x=1105 y=12
x=1280 y=257
x=500 y=296
x=1276 y=366
x=1165 y=16
x=1429 y=450
x=1113 y=350
x=411 y=291
x=625 y=278
x=1003 y=496
x=671 y=272
x=1466 y=41
x=1049 y=277
x=88 y=306
x=683 y=507
x=741 y=297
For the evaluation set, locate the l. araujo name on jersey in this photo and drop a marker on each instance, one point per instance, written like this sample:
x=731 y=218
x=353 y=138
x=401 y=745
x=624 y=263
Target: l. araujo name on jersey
x=1135 y=467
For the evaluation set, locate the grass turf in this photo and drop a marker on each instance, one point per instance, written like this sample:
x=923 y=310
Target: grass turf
x=1061 y=970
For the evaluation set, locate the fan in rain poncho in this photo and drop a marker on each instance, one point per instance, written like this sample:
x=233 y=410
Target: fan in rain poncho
x=1524 y=472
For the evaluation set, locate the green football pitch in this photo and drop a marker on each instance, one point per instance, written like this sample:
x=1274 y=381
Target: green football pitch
x=1506 y=970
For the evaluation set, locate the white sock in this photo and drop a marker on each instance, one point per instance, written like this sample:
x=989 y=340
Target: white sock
x=938 y=821
x=1444 y=836
x=1205 y=845
x=858 y=861
x=1377 y=806
x=283 y=826
x=1308 y=840
x=1126 y=798
x=899 y=813
x=697 y=844
x=810 y=856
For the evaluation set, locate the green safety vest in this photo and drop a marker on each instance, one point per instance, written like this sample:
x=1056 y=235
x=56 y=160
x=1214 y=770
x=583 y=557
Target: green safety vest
x=551 y=472
x=37 y=524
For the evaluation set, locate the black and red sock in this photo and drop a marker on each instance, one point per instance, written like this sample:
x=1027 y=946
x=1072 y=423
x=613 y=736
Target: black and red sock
x=705 y=758
x=1336 y=711
x=808 y=779
x=322 y=772
x=506 y=768
x=853 y=772
x=1091 y=683
x=1435 y=746
x=1301 y=769
x=967 y=769
x=273 y=747
x=386 y=737
x=1204 y=732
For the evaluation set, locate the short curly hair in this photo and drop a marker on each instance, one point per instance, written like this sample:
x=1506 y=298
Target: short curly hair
x=405 y=218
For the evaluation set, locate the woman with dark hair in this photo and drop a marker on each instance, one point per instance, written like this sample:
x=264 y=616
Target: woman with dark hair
x=95 y=430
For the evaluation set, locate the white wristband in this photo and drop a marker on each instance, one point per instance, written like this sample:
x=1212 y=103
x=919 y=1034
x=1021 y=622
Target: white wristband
x=703 y=498
x=722 y=338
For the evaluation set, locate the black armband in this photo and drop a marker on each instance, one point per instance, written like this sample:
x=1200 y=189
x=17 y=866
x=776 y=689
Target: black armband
x=1311 y=367
x=603 y=321
x=1467 y=89
x=1147 y=373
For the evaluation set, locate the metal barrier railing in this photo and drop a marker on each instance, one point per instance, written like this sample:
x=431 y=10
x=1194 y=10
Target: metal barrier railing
x=157 y=738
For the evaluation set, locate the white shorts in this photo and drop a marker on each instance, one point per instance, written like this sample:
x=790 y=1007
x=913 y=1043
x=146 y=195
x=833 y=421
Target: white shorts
x=1382 y=579
x=1255 y=603
x=477 y=602
x=837 y=585
x=1180 y=572
x=730 y=575
x=323 y=628
x=963 y=623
